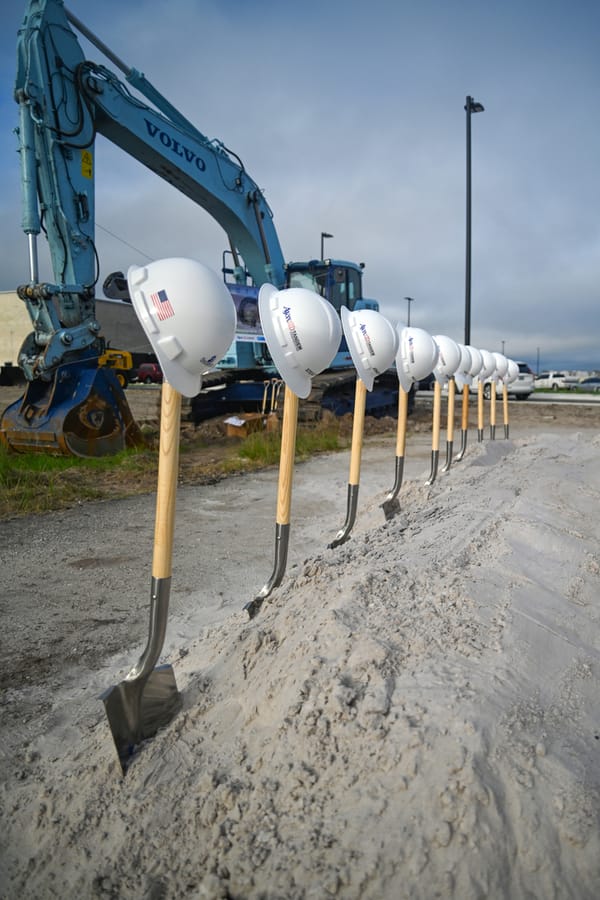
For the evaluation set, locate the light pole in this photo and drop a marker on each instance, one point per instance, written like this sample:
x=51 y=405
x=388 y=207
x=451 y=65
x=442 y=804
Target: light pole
x=471 y=106
x=409 y=300
x=324 y=235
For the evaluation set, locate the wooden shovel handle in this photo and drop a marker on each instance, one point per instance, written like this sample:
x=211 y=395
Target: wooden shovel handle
x=480 y=406
x=505 y=403
x=437 y=411
x=168 y=465
x=451 y=398
x=286 y=459
x=358 y=427
x=402 y=417
x=493 y=403
x=465 y=408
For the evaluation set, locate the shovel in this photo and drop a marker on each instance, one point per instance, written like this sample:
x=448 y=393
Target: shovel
x=358 y=425
x=450 y=425
x=480 y=412
x=493 y=411
x=266 y=386
x=505 y=409
x=391 y=505
x=435 y=436
x=464 y=425
x=148 y=697
x=284 y=500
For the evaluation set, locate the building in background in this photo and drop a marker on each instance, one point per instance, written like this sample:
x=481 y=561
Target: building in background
x=15 y=325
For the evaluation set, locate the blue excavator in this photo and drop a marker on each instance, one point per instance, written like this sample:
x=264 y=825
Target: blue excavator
x=73 y=405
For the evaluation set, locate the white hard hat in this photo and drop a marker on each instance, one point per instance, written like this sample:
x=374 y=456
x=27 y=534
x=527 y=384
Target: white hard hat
x=476 y=361
x=448 y=358
x=188 y=316
x=416 y=357
x=501 y=366
x=512 y=372
x=302 y=331
x=462 y=375
x=372 y=342
x=488 y=365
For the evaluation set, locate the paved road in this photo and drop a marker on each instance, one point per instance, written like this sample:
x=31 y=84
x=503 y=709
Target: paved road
x=571 y=397
x=562 y=397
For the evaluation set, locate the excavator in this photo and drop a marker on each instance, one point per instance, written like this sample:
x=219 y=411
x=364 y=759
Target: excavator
x=72 y=404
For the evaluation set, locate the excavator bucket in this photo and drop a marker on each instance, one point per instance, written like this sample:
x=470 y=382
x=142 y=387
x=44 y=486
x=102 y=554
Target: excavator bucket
x=82 y=411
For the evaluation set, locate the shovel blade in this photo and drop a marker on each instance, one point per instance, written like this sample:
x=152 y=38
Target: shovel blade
x=136 y=710
x=390 y=508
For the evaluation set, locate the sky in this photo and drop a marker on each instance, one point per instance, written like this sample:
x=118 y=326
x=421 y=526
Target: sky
x=350 y=117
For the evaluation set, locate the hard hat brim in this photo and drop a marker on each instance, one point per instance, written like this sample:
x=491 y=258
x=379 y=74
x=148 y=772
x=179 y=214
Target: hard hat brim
x=462 y=378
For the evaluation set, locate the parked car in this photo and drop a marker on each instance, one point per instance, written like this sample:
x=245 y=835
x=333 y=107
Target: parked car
x=555 y=380
x=150 y=373
x=521 y=388
x=591 y=384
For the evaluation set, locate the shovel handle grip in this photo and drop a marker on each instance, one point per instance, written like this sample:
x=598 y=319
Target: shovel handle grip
x=358 y=427
x=168 y=465
x=402 y=417
x=286 y=459
x=437 y=410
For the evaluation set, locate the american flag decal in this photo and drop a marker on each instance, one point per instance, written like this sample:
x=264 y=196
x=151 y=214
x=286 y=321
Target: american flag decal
x=162 y=305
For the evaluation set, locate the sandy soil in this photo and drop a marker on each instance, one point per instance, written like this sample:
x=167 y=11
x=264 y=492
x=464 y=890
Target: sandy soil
x=412 y=714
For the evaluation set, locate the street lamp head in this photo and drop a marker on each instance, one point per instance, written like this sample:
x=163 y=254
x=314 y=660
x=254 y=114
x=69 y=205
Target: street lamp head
x=324 y=234
x=473 y=106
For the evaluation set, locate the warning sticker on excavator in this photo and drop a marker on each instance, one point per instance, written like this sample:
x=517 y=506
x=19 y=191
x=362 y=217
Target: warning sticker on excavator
x=87 y=164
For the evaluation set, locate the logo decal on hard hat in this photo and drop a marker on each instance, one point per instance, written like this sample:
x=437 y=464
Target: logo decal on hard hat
x=365 y=334
x=411 y=348
x=290 y=324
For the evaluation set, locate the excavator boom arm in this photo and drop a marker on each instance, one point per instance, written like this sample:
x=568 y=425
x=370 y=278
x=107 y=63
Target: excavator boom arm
x=64 y=100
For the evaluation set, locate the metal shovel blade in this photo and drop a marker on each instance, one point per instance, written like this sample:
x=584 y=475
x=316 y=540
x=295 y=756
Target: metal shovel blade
x=147 y=698
x=358 y=428
x=137 y=709
x=391 y=504
x=351 y=507
x=284 y=501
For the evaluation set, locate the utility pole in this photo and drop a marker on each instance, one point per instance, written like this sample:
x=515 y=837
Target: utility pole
x=471 y=106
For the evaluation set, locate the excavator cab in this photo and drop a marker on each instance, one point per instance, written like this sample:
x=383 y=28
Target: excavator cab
x=339 y=283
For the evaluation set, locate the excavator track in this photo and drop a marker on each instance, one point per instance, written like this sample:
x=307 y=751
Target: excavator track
x=335 y=390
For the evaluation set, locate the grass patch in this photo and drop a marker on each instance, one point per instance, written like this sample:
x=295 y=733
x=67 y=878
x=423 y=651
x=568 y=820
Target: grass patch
x=38 y=482
x=33 y=483
x=265 y=446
